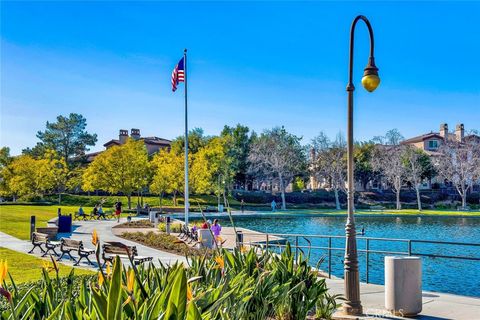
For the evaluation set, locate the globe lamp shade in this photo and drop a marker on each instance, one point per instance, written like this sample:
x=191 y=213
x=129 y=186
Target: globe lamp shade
x=370 y=82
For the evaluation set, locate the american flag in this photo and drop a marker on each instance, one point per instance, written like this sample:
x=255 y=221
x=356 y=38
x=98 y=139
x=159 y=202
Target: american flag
x=178 y=74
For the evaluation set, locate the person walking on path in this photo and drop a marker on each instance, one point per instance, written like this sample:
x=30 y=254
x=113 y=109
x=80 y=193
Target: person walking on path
x=118 y=209
x=216 y=229
x=242 y=205
x=274 y=205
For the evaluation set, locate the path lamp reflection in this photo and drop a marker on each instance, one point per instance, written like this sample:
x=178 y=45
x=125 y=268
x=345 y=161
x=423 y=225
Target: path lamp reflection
x=370 y=81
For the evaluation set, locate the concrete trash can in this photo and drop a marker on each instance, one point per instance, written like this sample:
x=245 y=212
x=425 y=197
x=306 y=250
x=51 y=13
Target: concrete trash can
x=403 y=285
x=239 y=238
x=205 y=238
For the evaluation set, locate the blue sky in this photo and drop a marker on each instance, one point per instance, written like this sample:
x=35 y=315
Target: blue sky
x=260 y=64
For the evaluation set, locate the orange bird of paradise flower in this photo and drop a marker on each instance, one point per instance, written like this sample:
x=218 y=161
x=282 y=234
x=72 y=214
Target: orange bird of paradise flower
x=220 y=262
x=100 y=279
x=94 y=237
x=3 y=271
x=189 y=293
x=130 y=283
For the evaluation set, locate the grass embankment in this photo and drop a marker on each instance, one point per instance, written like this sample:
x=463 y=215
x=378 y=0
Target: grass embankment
x=403 y=212
x=15 y=219
x=26 y=268
x=437 y=212
x=153 y=201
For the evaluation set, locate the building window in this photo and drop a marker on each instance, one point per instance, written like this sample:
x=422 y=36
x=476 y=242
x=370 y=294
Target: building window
x=432 y=144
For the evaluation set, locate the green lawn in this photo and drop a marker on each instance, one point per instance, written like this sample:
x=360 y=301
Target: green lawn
x=15 y=219
x=403 y=212
x=153 y=201
x=25 y=268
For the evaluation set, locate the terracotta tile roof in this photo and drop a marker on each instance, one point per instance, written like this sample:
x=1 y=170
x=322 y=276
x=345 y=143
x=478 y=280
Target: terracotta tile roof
x=156 y=141
x=90 y=156
x=422 y=137
x=113 y=141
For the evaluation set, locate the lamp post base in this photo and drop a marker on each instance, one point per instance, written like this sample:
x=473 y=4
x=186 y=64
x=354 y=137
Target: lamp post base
x=352 y=309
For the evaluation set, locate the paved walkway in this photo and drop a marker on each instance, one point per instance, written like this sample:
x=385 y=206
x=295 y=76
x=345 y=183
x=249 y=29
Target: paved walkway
x=82 y=230
x=436 y=306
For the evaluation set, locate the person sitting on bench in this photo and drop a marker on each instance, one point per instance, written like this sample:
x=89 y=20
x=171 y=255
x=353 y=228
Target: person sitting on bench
x=81 y=213
x=100 y=212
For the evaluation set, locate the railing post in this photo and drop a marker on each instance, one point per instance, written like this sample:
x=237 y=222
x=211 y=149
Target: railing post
x=409 y=247
x=296 y=248
x=367 y=254
x=267 y=241
x=330 y=257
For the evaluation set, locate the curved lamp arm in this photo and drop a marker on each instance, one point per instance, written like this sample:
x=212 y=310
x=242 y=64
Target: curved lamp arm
x=371 y=69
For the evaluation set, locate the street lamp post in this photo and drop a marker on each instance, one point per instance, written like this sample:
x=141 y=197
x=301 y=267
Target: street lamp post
x=370 y=81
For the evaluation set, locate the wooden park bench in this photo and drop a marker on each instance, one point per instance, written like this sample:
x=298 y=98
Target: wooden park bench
x=109 y=214
x=111 y=250
x=78 y=216
x=69 y=245
x=41 y=239
x=187 y=234
x=90 y=216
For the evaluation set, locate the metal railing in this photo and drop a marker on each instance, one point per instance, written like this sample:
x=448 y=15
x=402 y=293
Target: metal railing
x=278 y=240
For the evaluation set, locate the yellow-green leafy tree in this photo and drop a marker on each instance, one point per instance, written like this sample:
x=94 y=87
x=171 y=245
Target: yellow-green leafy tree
x=5 y=161
x=27 y=177
x=212 y=168
x=123 y=168
x=58 y=168
x=168 y=174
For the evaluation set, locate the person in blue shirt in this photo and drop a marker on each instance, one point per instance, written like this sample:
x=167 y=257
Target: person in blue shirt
x=274 y=205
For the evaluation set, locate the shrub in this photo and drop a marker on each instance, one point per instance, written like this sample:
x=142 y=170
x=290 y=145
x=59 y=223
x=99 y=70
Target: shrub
x=473 y=198
x=233 y=285
x=72 y=281
x=164 y=242
x=175 y=227
x=316 y=197
x=143 y=223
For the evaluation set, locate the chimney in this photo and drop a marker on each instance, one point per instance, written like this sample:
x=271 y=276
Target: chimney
x=123 y=136
x=459 y=132
x=313 y=154
x=135 y=134
x=444 y=131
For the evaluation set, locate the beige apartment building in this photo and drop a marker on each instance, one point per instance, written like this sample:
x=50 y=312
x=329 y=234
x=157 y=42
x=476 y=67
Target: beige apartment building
x=430 y=142
x=153 y=144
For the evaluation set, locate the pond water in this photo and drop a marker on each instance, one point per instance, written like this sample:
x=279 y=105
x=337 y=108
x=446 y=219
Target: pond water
x=439 y=274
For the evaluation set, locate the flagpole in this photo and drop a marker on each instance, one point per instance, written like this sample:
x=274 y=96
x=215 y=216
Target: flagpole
x=187 y=205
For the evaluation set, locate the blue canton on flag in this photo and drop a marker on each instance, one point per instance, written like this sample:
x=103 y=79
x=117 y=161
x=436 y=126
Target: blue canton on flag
x=178 y=74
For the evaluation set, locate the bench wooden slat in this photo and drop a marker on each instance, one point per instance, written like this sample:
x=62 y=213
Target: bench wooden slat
x=110 y=251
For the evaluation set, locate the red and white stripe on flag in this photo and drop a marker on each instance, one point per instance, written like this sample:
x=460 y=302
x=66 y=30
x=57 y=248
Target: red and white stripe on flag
x=178 y=74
